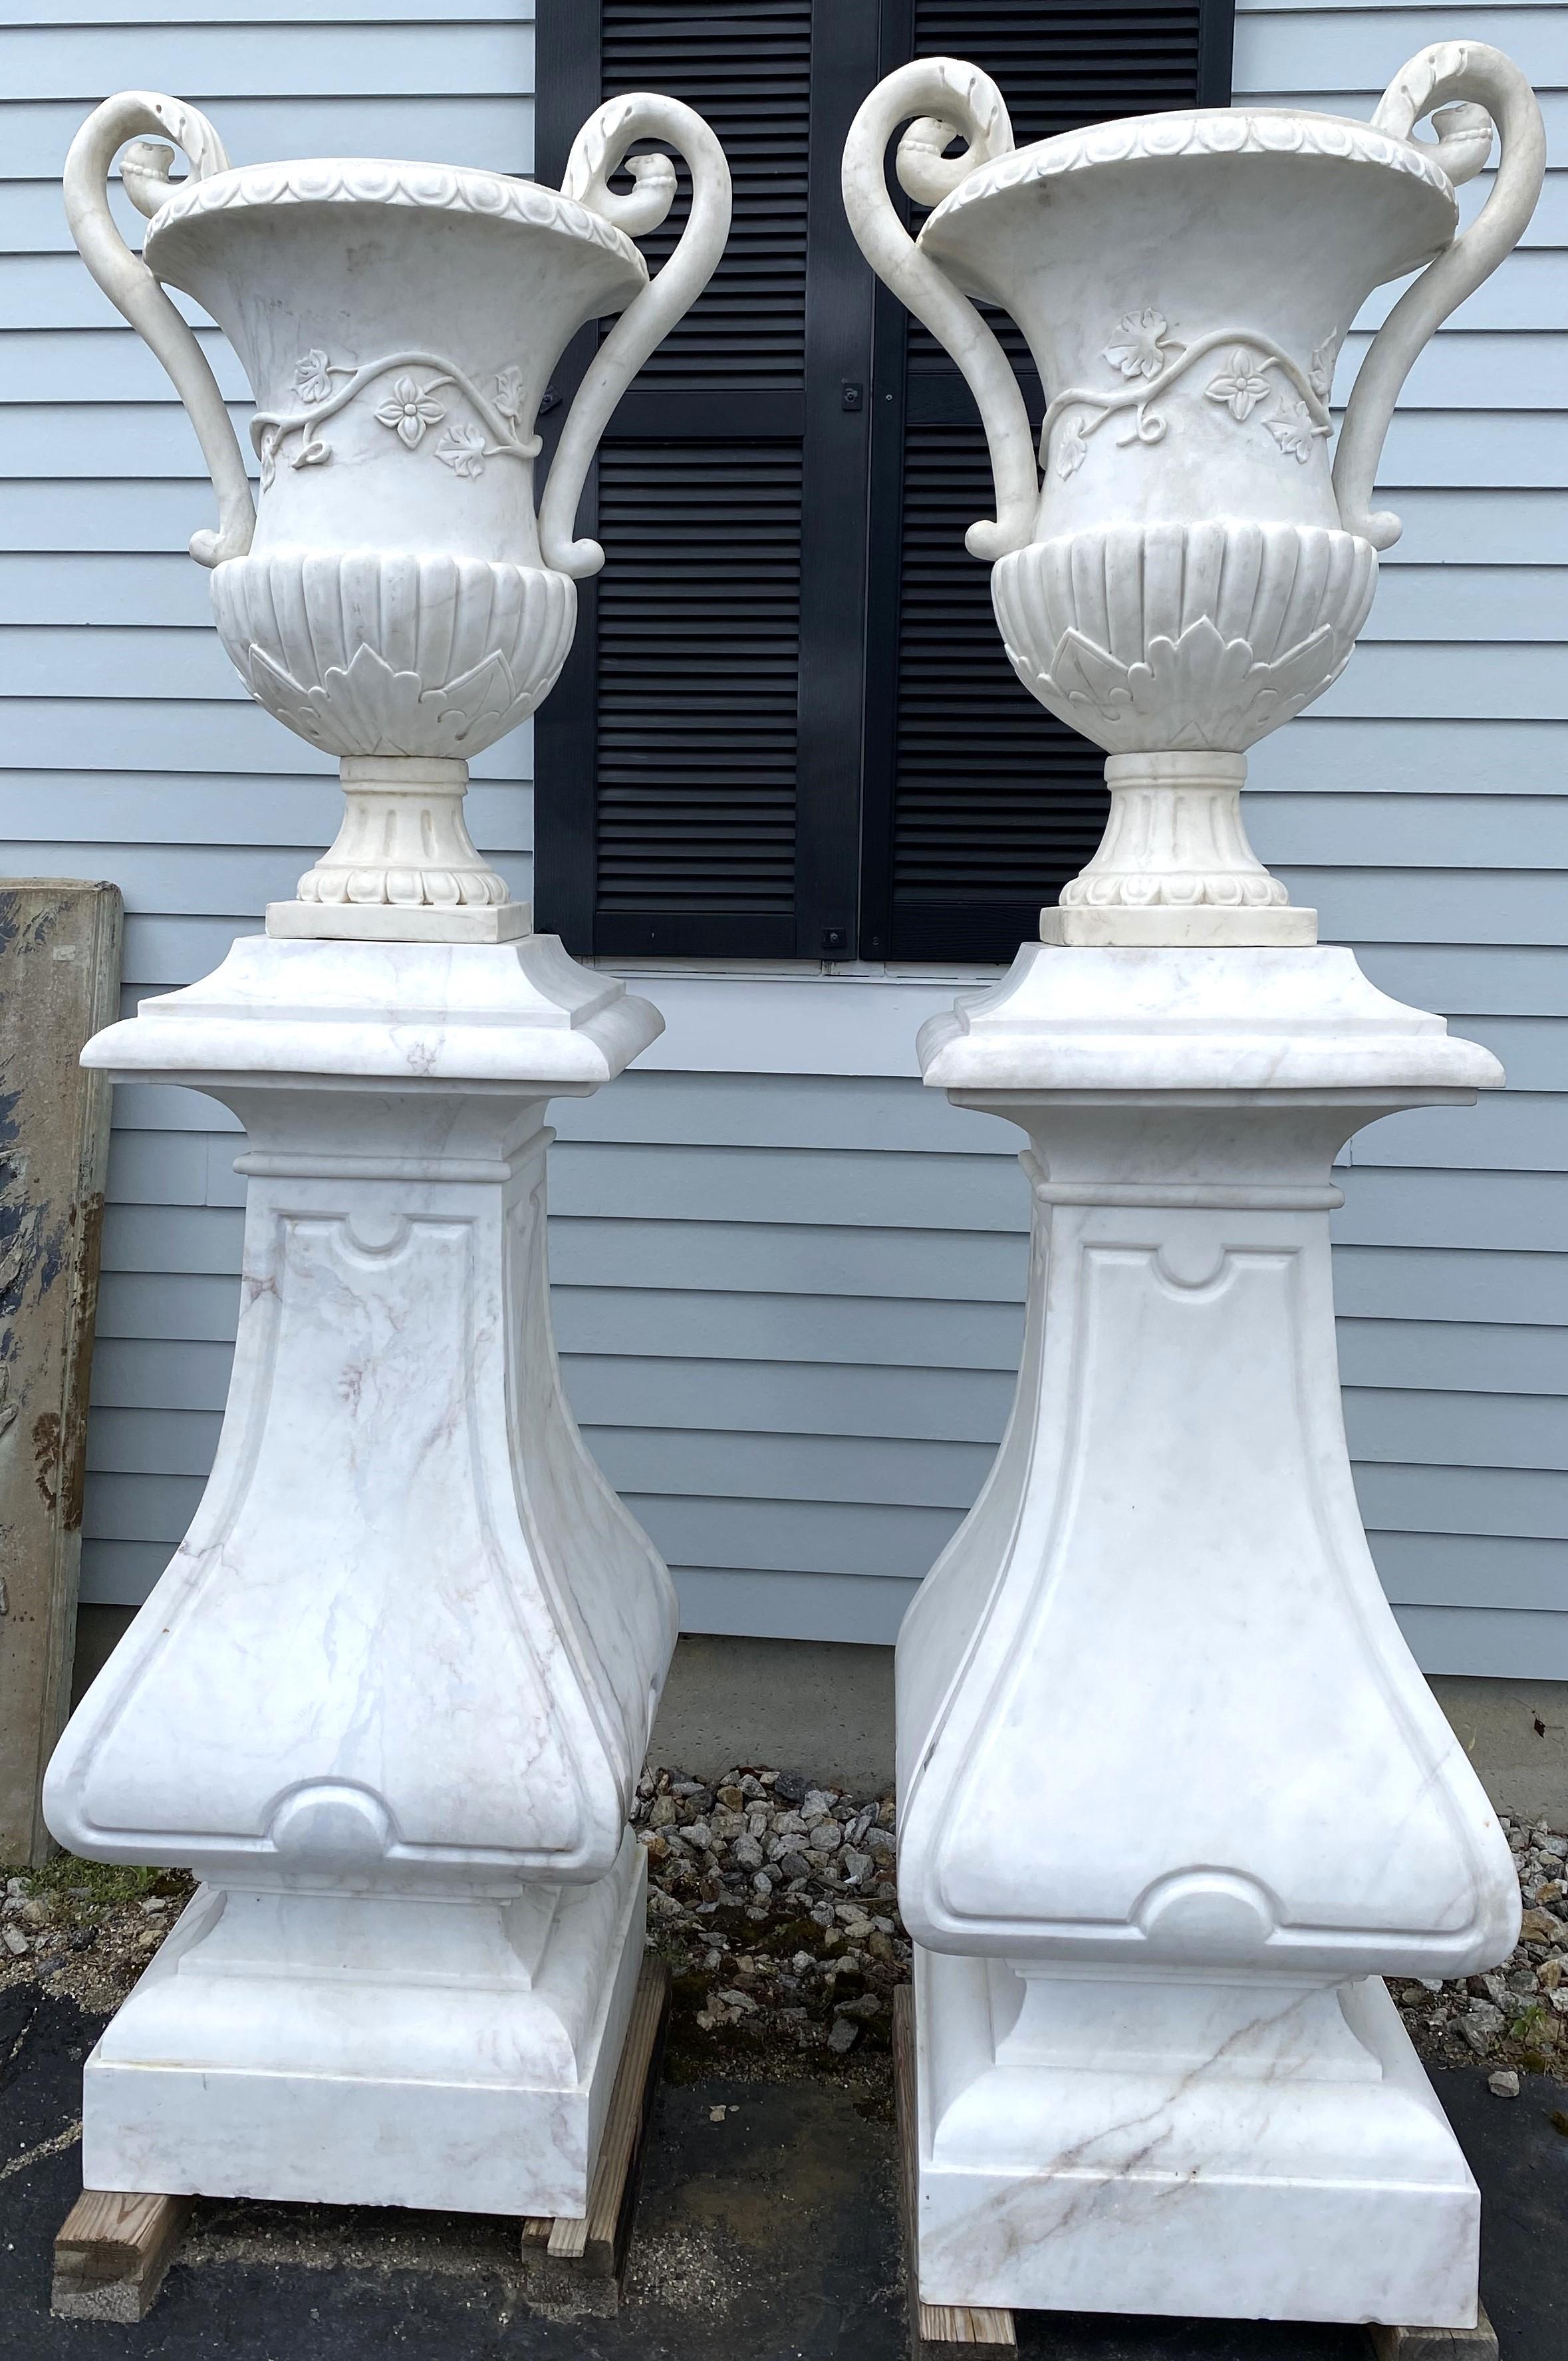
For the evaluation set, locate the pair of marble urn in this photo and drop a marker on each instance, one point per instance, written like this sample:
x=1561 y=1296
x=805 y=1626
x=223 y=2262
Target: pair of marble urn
x=390 y=1698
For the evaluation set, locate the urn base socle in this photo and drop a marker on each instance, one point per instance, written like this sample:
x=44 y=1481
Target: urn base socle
x=1174 y=869
x=402 y=867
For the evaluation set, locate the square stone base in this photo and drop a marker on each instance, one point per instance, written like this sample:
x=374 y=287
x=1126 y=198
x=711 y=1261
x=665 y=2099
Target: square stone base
x=1309 y=2193
x=464 y=2064
x=385 y=922
x=1204 y=927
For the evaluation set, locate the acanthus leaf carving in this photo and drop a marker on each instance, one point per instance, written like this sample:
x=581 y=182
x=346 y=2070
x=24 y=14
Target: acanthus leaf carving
x=1203 y=691
x=369 y=708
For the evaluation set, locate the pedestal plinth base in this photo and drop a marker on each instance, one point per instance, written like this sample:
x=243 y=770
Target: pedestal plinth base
x=373 y=2049
x=1114 y=2181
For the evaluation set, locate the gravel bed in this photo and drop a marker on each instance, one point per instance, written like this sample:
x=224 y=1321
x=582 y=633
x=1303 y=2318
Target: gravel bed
x=774 y=1902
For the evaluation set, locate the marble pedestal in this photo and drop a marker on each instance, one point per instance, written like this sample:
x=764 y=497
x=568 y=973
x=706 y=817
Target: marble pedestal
x=390 y=1697
x=1174 y=1796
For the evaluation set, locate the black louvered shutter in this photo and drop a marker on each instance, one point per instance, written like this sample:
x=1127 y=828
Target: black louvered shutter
x=787 y=728
x=980 y=804
x=698 y=765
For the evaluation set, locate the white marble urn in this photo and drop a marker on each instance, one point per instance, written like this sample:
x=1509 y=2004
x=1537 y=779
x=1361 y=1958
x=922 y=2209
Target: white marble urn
x=1183 y=569
x=396 y=597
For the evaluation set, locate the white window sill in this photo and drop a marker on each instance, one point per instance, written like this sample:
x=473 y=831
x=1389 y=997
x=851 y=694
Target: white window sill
x=763 y=1017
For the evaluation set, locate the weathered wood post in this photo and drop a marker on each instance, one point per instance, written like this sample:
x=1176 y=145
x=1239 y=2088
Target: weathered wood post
x=60 y=982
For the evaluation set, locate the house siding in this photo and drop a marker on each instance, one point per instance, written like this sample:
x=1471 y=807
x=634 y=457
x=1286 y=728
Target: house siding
x=788 y=1304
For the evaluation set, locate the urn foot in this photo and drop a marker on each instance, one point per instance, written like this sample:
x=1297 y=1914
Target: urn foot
x=1229 y=2150
x=402 y=867
x=456 y=2053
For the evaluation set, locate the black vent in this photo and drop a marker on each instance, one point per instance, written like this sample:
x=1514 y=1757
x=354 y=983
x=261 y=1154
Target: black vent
x=747 y=70
x=699 y=664
x=996 y=804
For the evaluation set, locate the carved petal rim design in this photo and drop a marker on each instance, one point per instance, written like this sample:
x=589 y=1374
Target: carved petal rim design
x=362 y=180
x=1212 y=131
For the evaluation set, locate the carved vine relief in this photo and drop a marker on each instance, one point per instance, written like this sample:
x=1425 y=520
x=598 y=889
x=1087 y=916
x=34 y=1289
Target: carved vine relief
x=407 y=411
x=1145 y=350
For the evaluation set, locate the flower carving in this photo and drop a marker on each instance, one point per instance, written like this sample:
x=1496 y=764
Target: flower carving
x=1242 y=388
x=1143 y=340
x=407 y=411
x=1293 y=428
x=1071 y=450
x=313 y=376
x=461 y=448
x=508 y=394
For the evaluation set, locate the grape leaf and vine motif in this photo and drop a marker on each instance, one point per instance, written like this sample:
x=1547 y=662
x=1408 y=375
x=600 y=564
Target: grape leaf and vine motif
x=409 y=409
x=1253 y=370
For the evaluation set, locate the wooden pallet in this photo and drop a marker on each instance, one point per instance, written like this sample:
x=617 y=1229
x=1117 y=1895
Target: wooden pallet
x=574 y=2264
x=1478 y=2343
x=936 y=2330
x=112 y=2253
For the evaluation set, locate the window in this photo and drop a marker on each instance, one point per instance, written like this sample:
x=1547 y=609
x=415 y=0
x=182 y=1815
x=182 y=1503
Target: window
x=787 y=728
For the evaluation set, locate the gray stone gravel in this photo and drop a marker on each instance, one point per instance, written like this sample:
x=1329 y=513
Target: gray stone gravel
x=777 y=1905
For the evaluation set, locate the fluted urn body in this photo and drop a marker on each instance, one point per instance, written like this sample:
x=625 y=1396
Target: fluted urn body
x=1182 y=566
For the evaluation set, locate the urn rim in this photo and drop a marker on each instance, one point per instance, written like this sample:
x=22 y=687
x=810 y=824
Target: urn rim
x=1202 y=133
x=390 y=183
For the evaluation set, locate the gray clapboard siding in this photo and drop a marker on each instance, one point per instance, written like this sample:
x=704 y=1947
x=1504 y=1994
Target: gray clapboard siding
x=486 y=130
x=127 y=808
x=200 y=878
x=315 y=59
x=788 y=1309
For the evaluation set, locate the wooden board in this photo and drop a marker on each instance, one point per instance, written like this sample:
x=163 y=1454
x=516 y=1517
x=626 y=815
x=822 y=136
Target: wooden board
x=936 y=2330
x=575 y=2263
x=1478 y=2343
x=112 y=2253
x=59 y=983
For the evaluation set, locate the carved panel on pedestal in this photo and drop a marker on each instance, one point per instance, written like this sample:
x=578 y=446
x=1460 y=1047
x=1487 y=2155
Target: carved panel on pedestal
x=367 y=1641
x=1222 y=1546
